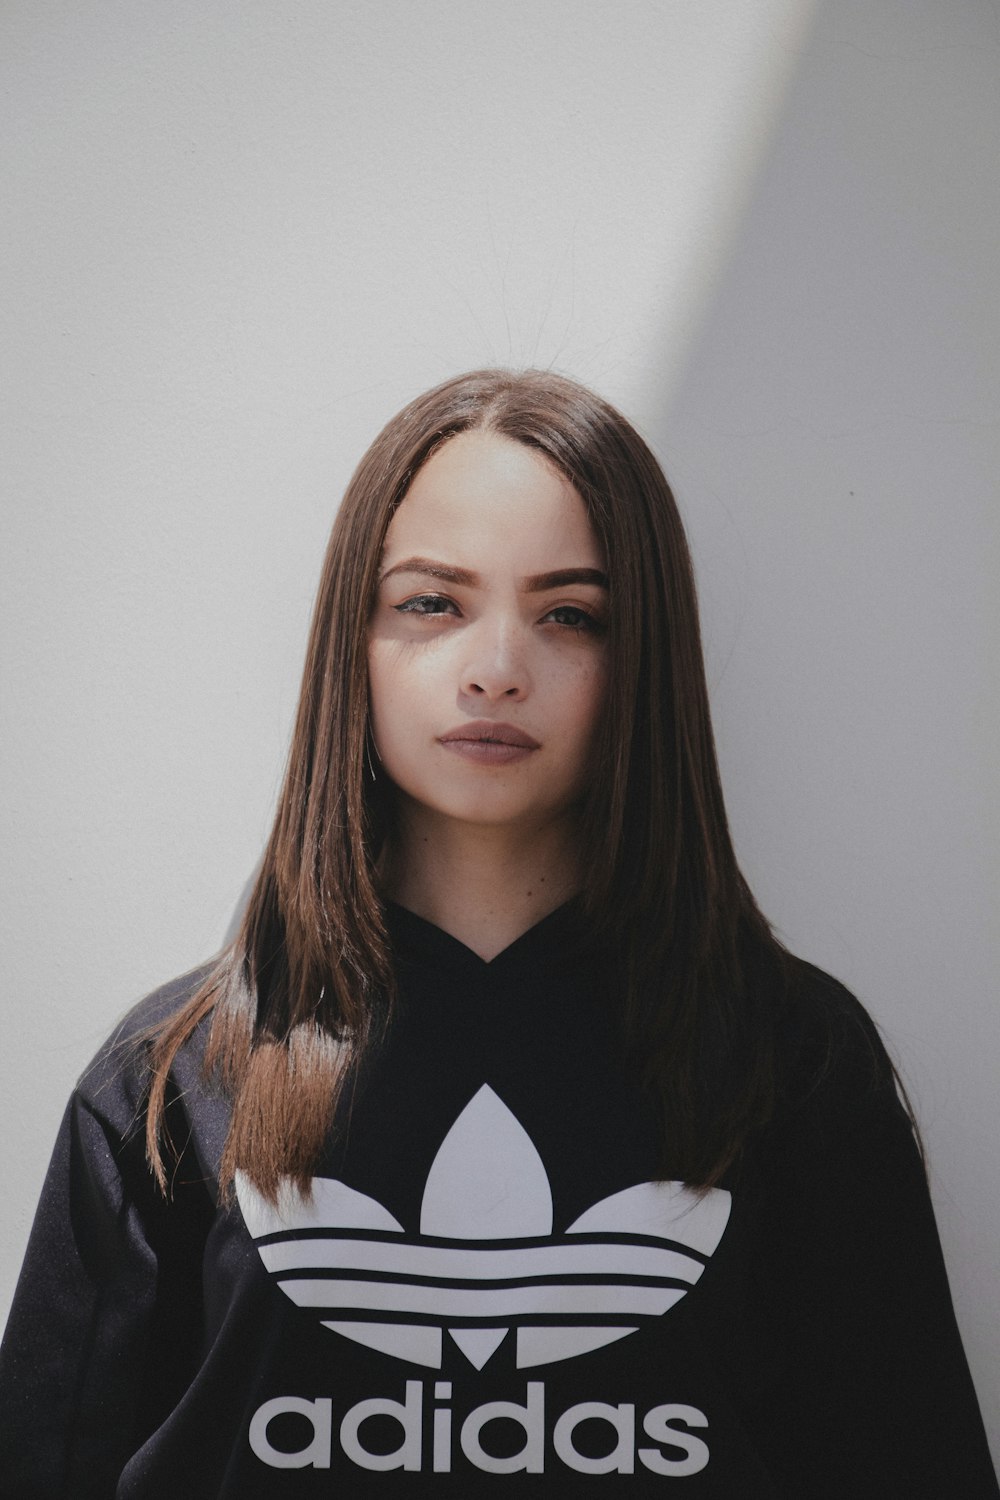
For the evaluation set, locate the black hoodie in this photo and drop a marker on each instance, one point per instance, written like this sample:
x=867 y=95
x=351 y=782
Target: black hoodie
x=489 y=1293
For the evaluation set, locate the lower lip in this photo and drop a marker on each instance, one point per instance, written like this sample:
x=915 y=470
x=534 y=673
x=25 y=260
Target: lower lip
x=488 y=752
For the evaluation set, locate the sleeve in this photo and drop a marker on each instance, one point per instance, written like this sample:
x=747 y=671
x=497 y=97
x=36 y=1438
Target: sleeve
x=873 y=1391
x=96 y=1346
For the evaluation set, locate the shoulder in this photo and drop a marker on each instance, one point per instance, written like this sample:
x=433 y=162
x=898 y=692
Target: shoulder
x=832 y=1066
x=822 y=1021
x=115 y=1079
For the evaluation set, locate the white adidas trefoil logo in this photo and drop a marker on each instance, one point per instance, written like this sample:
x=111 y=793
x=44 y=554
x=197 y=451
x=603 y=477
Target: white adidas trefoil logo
x=486 y=1259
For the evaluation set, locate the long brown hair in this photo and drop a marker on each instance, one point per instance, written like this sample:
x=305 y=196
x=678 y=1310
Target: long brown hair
x=307 y=988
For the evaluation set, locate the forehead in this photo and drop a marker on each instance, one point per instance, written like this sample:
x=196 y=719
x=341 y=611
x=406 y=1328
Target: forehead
x=482 y=497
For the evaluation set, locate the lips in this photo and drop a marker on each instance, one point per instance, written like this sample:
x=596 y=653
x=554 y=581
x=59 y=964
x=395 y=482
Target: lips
x=489 y=743
x=485 y=731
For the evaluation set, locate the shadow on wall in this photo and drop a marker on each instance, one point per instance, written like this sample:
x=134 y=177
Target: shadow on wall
x=842 y=383
x=834 y=444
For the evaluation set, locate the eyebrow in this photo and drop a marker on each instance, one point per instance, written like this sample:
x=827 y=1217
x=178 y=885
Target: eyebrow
x=534 y=583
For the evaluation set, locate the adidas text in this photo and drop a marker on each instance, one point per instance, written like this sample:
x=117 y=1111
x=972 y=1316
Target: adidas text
x=432 y=1437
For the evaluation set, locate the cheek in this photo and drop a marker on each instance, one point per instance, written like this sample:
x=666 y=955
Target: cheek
x=397 y=694
x=595 y=714
x=593 y=690
x=382 y=691
x=584 y=698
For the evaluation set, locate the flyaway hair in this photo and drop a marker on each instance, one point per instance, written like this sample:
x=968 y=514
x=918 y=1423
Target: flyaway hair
x=307 y=989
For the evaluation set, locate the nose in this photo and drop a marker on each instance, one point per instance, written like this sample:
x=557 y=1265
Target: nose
x=496 y=667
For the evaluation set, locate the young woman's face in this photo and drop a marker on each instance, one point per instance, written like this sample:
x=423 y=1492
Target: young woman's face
x=487 y=652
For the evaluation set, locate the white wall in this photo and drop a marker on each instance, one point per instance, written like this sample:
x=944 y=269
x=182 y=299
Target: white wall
x=241 y=234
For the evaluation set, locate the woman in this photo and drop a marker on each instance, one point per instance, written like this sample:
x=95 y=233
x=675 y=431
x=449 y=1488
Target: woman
x=506 y=1148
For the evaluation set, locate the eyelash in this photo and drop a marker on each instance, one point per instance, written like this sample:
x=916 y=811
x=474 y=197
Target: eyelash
x=412 y=606
x=584 y=623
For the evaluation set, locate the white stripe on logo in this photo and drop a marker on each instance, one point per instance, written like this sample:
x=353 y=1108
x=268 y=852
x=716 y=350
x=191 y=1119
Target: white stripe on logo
x=402 y=1257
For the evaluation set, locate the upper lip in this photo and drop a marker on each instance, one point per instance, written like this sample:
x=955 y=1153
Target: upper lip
x=487 y=729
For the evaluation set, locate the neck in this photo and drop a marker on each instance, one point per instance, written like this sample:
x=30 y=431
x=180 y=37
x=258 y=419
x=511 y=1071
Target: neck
x=485 y=886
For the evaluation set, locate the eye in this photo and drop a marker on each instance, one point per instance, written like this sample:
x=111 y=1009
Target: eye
x=426 y=604
x=572 y=617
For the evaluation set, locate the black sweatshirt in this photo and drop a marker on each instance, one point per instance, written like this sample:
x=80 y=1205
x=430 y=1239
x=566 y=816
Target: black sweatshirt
x=489 y=1292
